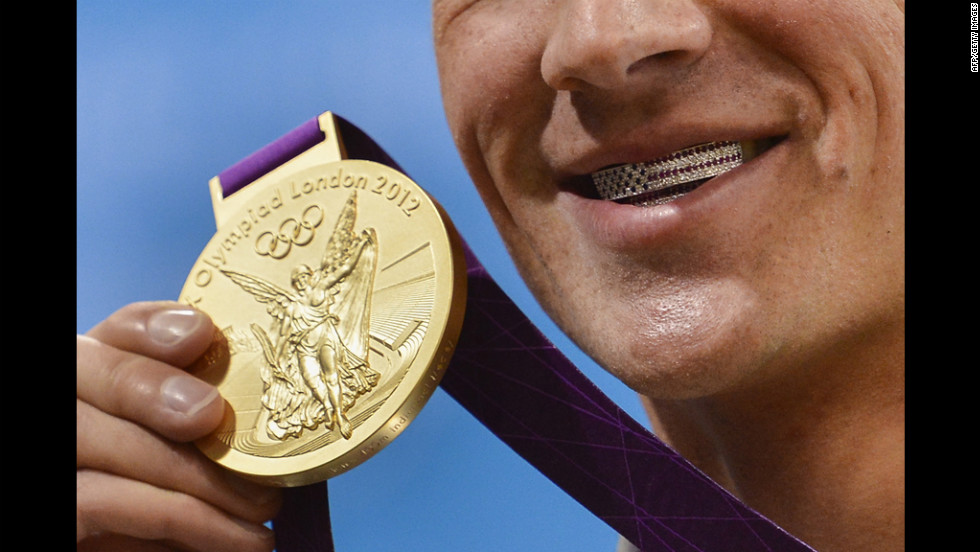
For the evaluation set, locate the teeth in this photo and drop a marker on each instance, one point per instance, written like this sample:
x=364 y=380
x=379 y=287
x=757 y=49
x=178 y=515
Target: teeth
x=751 y=149
x=635 y=182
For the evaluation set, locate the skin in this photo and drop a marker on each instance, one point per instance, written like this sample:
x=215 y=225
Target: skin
x=142 y=485
x=761 y=317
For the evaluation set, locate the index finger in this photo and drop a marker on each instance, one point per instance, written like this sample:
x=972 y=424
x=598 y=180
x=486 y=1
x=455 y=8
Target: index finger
x=164 y=330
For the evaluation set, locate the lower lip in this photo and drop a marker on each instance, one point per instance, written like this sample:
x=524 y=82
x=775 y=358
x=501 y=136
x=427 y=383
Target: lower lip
x=623 y=227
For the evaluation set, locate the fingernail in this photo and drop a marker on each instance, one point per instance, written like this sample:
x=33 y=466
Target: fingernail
x=253 y=492
x=171 y=325
x=187 y=394
x=259 y=530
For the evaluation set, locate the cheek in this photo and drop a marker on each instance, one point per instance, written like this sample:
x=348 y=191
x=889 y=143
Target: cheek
x=489 y=67
x=495 y=99
x=496 y=105
x=850 y=186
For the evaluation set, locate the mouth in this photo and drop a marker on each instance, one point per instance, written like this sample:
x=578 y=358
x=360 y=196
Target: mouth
x=672 y=176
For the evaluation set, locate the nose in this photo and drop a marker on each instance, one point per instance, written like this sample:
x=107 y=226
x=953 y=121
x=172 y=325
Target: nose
x=609 y=44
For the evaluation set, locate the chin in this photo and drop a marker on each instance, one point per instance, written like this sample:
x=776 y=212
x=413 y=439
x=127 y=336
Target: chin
x=662 y=372
x=680 y=346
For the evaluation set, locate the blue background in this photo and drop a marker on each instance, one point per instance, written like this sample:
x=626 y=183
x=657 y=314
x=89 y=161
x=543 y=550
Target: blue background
x=169 y=93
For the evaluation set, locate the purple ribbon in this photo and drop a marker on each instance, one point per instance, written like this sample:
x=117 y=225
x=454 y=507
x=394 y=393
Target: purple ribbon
x=523 y=389
x=290 y=145
x=518 y=384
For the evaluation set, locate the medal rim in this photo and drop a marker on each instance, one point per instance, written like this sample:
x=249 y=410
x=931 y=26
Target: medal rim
x=403 y=406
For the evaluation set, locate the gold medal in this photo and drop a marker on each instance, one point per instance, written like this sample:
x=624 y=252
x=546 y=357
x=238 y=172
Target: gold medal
x=340 y=288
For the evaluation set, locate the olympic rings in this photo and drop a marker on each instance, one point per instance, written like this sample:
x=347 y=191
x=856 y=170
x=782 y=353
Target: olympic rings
x=291 y=232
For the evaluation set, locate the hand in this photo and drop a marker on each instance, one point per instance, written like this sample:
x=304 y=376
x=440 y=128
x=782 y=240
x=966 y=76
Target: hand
x=142 y=485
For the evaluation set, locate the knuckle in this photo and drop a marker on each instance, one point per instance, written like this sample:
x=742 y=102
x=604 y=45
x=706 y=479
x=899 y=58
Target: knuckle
x=117 y=382
x=129 y=383
x=127 y=318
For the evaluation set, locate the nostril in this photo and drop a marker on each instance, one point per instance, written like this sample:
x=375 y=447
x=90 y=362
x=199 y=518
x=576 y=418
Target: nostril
x=660 y=59
x=603 y=46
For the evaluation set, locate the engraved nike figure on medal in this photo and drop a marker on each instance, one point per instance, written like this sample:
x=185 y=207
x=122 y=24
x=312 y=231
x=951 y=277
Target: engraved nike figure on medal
x=339 y=288
x=316 y=363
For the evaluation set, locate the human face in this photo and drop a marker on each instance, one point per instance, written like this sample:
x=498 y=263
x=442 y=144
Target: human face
x=771 y=266
x=301 y=280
